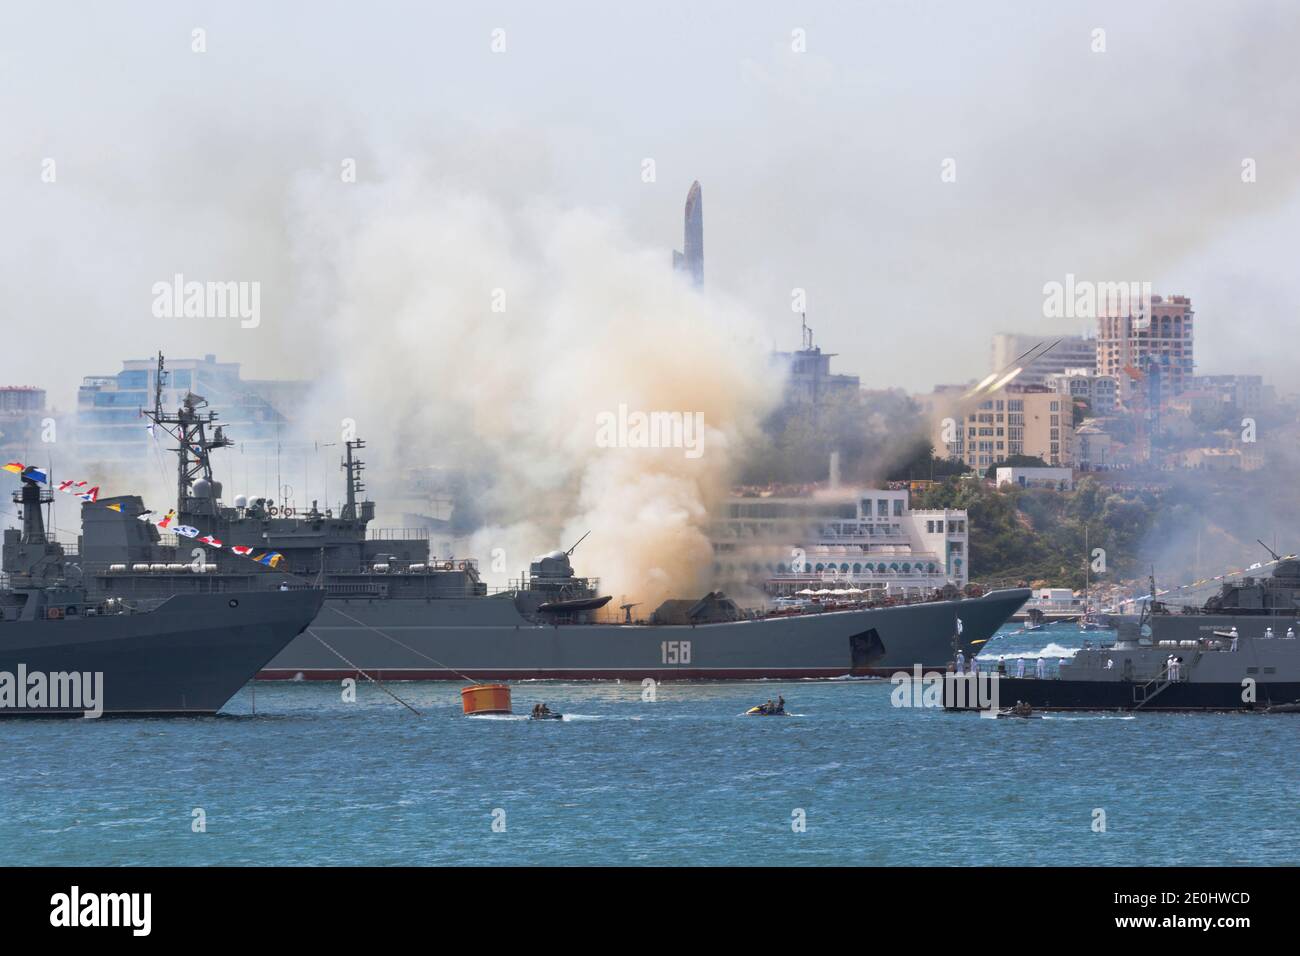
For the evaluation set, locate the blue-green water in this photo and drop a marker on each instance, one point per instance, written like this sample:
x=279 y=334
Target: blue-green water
x=683 y=780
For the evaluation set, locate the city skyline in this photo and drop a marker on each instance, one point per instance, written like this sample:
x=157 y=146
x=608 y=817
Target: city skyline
x=857 y=215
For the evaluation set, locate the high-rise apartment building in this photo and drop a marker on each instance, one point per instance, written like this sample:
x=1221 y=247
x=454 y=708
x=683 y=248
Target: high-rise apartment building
x=1141 y=349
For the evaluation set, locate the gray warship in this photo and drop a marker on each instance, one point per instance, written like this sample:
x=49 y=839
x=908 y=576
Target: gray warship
x=1237 y=651
x=65 y=653
x=394 y=612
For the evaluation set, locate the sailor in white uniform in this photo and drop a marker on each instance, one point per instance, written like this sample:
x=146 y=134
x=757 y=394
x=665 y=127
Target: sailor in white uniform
x=1268 y=633
x=1020 y=667
x=1234 y=639
x=1290 y=633
x=974 y=665
x=1040 y=668
x=961 y=663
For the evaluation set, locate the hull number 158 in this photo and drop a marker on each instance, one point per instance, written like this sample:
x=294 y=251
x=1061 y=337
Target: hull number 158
x=675 y=652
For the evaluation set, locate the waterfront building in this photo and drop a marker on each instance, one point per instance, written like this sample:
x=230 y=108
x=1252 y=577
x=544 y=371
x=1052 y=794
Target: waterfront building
x=865 y=538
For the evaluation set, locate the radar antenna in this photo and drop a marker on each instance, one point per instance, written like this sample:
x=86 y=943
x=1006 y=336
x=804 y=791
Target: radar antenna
x=189 y=426
x=353 y=467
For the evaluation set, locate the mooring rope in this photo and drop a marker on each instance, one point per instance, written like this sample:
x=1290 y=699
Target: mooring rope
x=363 y=673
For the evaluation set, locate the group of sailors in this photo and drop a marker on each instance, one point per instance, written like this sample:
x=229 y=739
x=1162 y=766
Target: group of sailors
x=1040 y=665
x=1234 y=637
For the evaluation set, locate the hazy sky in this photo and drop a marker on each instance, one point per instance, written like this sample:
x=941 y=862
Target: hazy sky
x=821 y=169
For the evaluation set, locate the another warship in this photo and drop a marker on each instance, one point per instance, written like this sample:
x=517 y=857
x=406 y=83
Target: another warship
x=394 y=612
x=66 y=653
x=1238 y=651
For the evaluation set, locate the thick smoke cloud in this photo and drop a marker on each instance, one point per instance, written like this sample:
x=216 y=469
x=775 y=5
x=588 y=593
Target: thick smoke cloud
x=461 y=333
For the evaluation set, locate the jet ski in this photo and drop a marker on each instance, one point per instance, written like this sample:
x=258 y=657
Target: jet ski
x=544 y=713
x=762 y=710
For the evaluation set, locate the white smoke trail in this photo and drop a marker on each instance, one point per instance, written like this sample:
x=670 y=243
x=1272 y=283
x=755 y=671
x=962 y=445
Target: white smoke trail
x=461 y=333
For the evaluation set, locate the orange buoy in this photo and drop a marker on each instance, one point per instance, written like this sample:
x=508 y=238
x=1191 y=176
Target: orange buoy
x=486 y=699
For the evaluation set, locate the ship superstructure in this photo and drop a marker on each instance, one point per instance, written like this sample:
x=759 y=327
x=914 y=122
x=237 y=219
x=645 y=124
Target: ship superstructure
x=102 y=653
x=394 y=611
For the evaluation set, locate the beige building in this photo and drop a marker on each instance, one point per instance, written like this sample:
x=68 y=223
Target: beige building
x=1131 y=347
x=992 y=426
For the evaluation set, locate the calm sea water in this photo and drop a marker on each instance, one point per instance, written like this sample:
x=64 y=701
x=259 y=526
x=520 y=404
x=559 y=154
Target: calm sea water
x=310 y=779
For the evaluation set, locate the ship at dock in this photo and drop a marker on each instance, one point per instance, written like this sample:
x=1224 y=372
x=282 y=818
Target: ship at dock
x=103 y=654
x=393 y=611
x=1240 y=650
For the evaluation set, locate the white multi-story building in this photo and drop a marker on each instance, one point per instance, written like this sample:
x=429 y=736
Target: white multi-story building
x=867 y=538
x=1099 y=391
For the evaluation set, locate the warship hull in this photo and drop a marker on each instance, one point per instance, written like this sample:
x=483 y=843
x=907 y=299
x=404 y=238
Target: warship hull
x=187 y=656
x=1137 y=676
x=1057 y=694
x=487 y=639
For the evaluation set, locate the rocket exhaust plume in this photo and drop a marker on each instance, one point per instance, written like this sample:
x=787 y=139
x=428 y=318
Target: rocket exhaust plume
x=981 y=386
x=509 y=340
x=1006 y=379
